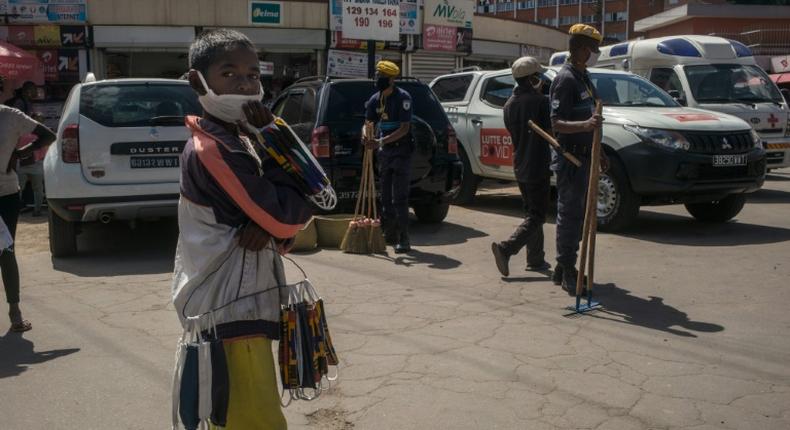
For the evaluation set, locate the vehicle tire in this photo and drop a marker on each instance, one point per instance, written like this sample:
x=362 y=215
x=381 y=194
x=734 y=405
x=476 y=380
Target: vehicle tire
x=719 y=211
x=469 y=181
x=62 y=236
x=618 y=205
x=432 y=213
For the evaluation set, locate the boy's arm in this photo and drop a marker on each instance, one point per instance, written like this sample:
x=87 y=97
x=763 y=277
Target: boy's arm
x=279 y=209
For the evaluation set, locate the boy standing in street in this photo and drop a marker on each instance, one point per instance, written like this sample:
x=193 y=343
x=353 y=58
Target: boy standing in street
x=530 y=164
x=234 y=201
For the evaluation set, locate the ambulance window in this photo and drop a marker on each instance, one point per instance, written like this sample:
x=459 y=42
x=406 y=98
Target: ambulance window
x=667 y=80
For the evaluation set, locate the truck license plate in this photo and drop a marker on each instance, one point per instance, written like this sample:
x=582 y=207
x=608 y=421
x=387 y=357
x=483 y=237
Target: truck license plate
x=729 y=160
x=153 y=162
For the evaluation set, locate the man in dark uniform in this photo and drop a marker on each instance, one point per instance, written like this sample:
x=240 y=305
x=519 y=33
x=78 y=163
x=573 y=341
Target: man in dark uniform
x=573 y=119
x=530 y=163
x=390 y=109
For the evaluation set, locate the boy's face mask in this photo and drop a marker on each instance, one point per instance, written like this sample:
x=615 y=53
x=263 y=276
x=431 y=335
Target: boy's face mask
x=226 y=107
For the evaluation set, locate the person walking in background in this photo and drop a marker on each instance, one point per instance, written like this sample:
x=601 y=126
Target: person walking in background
x=31 y=169
x=14 y=124
x=530 y=164
x=23 y=98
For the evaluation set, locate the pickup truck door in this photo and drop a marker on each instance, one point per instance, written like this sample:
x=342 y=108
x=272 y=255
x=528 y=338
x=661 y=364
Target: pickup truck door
x=490 y=144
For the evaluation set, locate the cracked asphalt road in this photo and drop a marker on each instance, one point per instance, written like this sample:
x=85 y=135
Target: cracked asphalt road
x=694 y=334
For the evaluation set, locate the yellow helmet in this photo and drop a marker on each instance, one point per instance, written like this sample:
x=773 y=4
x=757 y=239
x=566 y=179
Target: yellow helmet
x=387 y=68
x=586 y=30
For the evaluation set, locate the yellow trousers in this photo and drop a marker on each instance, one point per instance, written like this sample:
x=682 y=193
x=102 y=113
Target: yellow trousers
x=254 y=401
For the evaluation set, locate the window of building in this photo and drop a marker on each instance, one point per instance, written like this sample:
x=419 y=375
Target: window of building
x=526 y=5
x=616 y=16
x=551 y=22
x=568 y=2
x=546 y=3
x=567 y=20
x=588 y=19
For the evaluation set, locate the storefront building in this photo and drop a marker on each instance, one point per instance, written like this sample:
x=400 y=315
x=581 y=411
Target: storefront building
x=55 y=32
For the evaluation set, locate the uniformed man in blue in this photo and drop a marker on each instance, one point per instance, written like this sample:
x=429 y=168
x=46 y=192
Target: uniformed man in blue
x=573 y=120
x=388 y=112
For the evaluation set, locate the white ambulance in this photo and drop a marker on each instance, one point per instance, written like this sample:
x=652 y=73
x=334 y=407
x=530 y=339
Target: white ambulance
x=709 y=73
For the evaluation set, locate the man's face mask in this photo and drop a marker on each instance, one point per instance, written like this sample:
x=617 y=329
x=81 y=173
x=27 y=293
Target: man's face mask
x=226 y=107
x=382 y=83
x=593 y=60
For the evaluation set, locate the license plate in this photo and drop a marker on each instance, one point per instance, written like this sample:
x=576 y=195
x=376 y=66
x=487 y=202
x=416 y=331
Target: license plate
x=730 y=160
x=153 y=162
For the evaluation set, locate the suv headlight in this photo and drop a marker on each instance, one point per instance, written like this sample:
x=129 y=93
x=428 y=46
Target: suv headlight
x=757 y=142
x=660 y=138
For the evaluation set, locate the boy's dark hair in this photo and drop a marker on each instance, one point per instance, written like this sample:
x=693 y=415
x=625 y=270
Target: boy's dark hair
x=212 y=43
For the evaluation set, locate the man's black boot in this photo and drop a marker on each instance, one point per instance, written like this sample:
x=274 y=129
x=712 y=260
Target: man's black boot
x=501 y=258
x=569 y=279
x=391 y=235
x=556 y=277
x=403 y=245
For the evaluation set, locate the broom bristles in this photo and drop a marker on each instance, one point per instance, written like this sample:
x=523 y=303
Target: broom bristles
x=376 y=241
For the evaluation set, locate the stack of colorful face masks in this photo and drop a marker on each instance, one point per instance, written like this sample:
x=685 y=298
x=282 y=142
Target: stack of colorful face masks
x=285 y=147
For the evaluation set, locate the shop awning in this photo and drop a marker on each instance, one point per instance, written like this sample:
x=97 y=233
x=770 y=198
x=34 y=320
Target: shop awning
x=285 y=39
x=142 y=37
x=780 y=78
x=490 y=50
x=19 y=65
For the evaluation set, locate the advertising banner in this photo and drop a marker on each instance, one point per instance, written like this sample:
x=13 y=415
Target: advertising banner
x=450 y=13
x=49 y=63
x=45 y=11
x=439 y=38
x=371 y=19
x=266 y=13
x=410 y=17
x=348 y=64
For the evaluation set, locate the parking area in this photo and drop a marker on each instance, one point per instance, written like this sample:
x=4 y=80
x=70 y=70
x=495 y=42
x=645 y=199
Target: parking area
x=693 y=334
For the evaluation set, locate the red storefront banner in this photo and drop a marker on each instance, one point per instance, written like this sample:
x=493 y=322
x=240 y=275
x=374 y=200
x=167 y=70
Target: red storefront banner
x=496 y=147
x=49 y=64
x=439 y=38
x=21 y=35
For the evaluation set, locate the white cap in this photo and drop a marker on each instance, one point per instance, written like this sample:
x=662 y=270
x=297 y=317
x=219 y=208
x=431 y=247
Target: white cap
x=526 y=66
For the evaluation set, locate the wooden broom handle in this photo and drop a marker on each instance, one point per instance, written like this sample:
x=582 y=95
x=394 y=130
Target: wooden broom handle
x=553 y=142
x=588 y=232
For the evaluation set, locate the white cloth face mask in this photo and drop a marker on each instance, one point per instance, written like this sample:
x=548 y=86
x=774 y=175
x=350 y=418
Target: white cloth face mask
x=593 y=60
x=226 y=107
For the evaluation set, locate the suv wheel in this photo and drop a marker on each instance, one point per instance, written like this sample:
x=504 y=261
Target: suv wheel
x=62 y=236
x=618 y=205
x=719 y=211
x=432 y=213
x=468 y=188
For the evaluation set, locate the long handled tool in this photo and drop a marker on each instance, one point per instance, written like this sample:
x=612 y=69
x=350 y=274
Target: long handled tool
x=553 y=142
x=590 y=227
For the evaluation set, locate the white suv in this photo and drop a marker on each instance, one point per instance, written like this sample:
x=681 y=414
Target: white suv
x=117 y=155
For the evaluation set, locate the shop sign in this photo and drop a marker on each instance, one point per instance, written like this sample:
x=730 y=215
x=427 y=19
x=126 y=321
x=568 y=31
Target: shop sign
x=267 y=68
x=371 y=19
x=47 y=35
x=46 y=11
x=73 y=35
x=266 y=13
x=448 y=39
x=49 y=63
x=68 y=64
x=496 y=147
x=347 y=64
x=339 y=41
x=410 y=17
x=450 y=13
x=780 y=64
x=336 y=15
x=21 y=35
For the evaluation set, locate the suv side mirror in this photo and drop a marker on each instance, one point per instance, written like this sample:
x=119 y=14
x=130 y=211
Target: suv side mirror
x=675 y=94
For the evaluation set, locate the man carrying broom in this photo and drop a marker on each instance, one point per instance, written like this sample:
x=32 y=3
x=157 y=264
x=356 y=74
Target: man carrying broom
x=530 y=163
x=390 y=109
x=573 y=100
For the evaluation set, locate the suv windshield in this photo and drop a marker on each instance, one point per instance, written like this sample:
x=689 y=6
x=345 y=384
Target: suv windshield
x=731 y=83
x=347 y=100
x=629 y=90
x=138 y=105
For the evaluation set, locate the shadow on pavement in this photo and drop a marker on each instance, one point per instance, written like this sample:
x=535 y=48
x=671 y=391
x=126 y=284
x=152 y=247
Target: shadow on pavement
x=444 y=233
x=777 y=177
x=619 y=305
x=118 y=250
x=18 y=354
x=433 y=261
x=769 y=196
x=679 y=230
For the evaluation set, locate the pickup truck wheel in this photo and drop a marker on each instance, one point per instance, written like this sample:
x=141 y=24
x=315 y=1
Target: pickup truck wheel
x=432 y=213
x=62 y=236
x=618 y=205
x=720 y=211
x=468 y=188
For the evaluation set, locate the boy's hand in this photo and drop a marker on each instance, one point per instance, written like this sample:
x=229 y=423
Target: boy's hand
x=257 y=114
x=252 y=237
